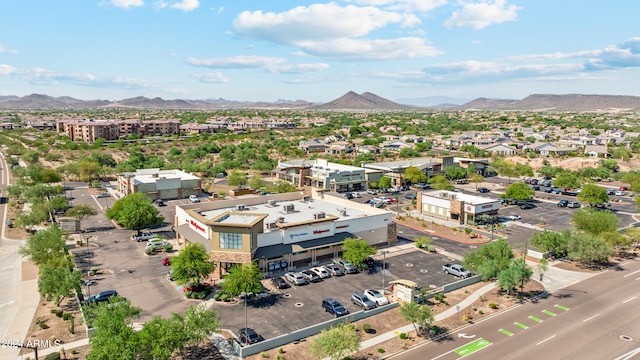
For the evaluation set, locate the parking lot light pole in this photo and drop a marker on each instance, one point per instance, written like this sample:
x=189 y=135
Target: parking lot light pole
x=384 y=267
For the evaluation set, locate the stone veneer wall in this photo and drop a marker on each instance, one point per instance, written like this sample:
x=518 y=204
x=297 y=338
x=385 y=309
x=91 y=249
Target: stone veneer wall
x=229 y=257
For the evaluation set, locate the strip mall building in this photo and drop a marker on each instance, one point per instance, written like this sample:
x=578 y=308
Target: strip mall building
x=456 y=206
x=280 y=232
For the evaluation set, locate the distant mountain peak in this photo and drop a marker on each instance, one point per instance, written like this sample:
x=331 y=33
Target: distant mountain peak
x=367 y=101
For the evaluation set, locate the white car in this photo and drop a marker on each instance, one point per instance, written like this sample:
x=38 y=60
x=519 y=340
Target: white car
x=194 y=198
x=295 y=278
x=321 y=272
x=376 y=297
x=620 y=193
x=156 y=242
x=513 y=217
x=356 y=194
x=371 y=192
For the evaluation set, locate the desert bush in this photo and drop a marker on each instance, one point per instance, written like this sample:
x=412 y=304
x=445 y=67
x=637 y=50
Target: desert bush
x=403 y=336
x=493 y=305
x=366 y=327
x=67 y=316
x=381 y=350
x=43 y=326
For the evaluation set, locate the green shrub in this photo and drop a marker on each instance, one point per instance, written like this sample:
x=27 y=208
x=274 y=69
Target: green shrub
x=53 y=356
x=188 y=294
x=381 y=350
x=59 y=313
x=168 y=247
x=281 y=351
x=493 y=306
x=43 y=326
x=53 y=311
x=264 y=355
x=279 y=357
x=217 y=296
x=74 y=351
x=480 y=312
x=403 y=336
x=202 y=295
x=224 y=297
x=67 y=316
x=366 y=327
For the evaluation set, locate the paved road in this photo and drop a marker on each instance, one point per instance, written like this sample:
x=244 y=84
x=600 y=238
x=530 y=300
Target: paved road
x=595 y=319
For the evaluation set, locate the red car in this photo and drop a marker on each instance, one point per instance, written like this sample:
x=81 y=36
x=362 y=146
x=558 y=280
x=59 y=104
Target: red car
x=166 y=261
x=623 y=188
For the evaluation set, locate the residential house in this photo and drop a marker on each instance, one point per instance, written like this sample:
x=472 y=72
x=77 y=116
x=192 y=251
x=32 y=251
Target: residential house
x=597 y=151
x=339 y=147
x=499 y=149
x=313 y=145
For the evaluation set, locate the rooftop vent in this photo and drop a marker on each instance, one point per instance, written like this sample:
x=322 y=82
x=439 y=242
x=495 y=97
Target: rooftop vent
x=272 y=203
x=240 y=207
x=319 y=215
x=280 y=219
x=289 y=208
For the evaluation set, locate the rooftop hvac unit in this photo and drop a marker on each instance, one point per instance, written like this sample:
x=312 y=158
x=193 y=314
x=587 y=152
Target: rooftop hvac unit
x=240 y=207
x=444 y=195
x=343 y=212
x=272 y=225
x=289 y=208
x=272 y=203
x=155 y=175
x=306 y=198
x=319 y=215
x=280 y=219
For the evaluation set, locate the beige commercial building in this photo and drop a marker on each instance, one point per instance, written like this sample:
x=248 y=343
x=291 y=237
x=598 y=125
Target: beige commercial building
x=160 y=184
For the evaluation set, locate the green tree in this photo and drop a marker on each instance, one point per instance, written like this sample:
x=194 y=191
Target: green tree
x=335 y=343
x=566 y=180
x=89 y=170
x=455 y=172
x=440 y=182
x=489 y=259
x=414 y=175
x=505 y=168
x=593 y=195
x=237 y=178
x=518 y=273
x=589 y=248
x=552 y=242
x=244 y=278
x=81 y=212
x=191 y=264
x=595 y=222
x=256 y=182
x=476 y=179
x=518 y=191
x=58 y=203
x=58 y=282
x=356 y=251
x=45 y=247
x=114 y=337
x=384 y=183
x=419 y=315
x=135 y=211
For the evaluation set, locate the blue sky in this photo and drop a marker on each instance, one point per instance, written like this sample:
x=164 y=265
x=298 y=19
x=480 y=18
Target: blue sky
x=317 y=51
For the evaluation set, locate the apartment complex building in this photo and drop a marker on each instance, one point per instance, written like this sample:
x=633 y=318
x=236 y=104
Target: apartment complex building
x=90 y=130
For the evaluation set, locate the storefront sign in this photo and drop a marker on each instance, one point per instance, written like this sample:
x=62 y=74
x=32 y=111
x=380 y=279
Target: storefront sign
x=343 y=226
x=315 y=232
x=196 y=225
x=291 y=236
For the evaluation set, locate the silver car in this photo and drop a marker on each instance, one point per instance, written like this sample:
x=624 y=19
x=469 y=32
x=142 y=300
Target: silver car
x=362 y=301
x=295 y=278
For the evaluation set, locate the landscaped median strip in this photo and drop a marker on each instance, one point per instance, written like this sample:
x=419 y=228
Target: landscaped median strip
x=561 y=307
x=472 y=347
x=549 y=312
x=506 y=332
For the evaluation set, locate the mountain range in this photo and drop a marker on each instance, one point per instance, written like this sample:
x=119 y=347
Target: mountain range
x=349 y=101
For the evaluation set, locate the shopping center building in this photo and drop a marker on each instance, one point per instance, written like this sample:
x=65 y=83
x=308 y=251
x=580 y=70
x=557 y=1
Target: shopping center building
x=159 y=184
x=456 y=206
x=280 y=232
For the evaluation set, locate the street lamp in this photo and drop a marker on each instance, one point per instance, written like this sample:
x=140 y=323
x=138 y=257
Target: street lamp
x=384 y=268
x=246 y=321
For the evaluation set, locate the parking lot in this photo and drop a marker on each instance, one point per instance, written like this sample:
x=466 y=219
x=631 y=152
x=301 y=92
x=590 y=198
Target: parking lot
x=298 y=307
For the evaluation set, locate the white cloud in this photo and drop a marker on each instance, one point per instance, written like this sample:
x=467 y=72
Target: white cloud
x=316 y=22
x=7 y=69
x=270 y=64
x=404 y=5
x=211 y=78
x=355 y=49
x=335 y=31
x=127 y=3
x=186 y=5
x=5 y=50
x=482 y=14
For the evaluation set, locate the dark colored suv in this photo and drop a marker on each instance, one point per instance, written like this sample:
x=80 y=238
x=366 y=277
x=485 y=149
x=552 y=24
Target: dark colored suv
x=102 y=296
x=334 y=307
x=248 y=336
x=563 y=203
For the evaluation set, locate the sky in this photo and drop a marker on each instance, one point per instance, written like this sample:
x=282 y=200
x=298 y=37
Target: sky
x=317 y=51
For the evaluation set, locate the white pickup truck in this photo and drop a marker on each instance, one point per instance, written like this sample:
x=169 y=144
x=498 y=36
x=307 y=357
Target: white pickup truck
x=144 y=236
x=456 y=269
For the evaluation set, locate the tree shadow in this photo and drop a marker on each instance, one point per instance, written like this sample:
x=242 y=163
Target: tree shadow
x=265 y=302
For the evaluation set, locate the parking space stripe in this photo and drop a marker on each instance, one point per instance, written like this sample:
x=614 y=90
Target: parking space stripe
x=535 y=319
x=521 y=325
x=549 y=312
x=561 y=307
x=506 y=332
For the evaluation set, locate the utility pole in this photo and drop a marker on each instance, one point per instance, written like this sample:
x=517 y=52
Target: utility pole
x=384 y=267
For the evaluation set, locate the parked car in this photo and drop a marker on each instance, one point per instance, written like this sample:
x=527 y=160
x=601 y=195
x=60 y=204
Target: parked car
x=144 y=236
x=295 y=278
x=248 y=336
x=513 y=217
x=620 y=193
x=321 y=272
x=363 y=301
x=156 y=242
x=334 y=307
x=526 y=206
x=279 y=283
x=548 y=190
x=159 y=202
x=376 y=296
x=103 y=195
x=562 y=203
x=356 y=195
x=556 y=191
x=410 y=196
x=573 y=204
x=533 y=182
x=371 y=192
x=334 y=270
x=102 y=296
x=623 y=188
x=456 y=270
x=346 y=266
x=348 y=196
x=546 y=183
x=170 y=275
x=194 y=198
x=535 y=187
x=611 y=191
x=483 y=190
x=310 y=276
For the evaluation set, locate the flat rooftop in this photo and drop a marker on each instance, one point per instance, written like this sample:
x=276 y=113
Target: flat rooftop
x=460 y=196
